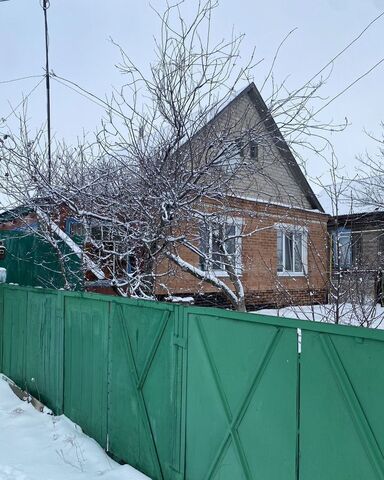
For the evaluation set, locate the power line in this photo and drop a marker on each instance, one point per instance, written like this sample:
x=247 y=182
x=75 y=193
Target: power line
x=81 y=91
x=347 y=47
x=86 y=94
x=349 y=86
x=4 y=119
x=20 y=78
x=103 y=104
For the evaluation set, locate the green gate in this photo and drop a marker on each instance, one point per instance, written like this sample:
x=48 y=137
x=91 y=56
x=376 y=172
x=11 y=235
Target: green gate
x=342 y=404
x=144 y=388
x=186 y=393
x=241 y=398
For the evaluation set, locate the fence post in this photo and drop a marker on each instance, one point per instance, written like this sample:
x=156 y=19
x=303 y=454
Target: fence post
x=181 y=345
x=60 y=319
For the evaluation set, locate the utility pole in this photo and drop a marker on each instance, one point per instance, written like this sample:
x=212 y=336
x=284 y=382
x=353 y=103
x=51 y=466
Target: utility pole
x=46 y=5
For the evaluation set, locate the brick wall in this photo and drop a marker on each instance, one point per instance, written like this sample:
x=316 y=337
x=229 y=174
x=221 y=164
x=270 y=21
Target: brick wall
x=263 y=286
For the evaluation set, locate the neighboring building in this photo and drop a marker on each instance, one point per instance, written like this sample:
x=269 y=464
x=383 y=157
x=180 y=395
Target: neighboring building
x=356 y=245
x=285 y=260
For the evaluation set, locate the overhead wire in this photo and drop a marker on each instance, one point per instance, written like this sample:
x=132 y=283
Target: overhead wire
x=86 y=94
x=4 y=119
x=19 y=79
x=367 y=72
x=347 y=47
x=103 y=104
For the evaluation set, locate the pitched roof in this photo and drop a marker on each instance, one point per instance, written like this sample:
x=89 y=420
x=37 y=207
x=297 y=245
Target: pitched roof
x=252 y=92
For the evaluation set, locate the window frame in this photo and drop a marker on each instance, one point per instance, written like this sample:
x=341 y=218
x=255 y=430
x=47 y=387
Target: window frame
x=292 y=229
x=116 y=261
x=355 y=248
x=219 y=272
x=253 y=150
x=104 y=239
x=71 y=222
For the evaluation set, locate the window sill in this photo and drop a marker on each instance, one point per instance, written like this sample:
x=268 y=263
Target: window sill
x=224 y=274
x=220 y=273
x=291 y=274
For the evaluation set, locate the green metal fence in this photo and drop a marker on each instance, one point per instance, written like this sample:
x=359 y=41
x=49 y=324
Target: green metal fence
x=187 y=393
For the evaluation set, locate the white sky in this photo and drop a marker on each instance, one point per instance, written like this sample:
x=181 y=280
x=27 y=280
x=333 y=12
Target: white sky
x=81 y=51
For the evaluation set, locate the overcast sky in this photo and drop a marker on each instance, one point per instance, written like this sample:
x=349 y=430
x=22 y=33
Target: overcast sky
x=81 y=51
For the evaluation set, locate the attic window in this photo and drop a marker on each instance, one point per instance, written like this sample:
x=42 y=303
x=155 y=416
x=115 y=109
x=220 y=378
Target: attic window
x=253 y=149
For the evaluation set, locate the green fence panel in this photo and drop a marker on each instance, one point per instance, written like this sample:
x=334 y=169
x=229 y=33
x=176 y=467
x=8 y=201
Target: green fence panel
x=241 y=399
x=44 y=348
x=1 y=327
x=143 y=381
x=14 y=334
x=186 y=393
x=85 y=364
x=341 y=405
x=33 y=343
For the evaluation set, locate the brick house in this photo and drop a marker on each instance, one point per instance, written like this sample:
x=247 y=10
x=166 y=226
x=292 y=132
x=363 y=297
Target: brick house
x=283 y=255
x=286 y=259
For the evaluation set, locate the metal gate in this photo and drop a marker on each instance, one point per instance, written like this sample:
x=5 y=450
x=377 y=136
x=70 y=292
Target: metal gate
x=342 y=404
x=186 y=393
x=241 y=398
x=145 y=381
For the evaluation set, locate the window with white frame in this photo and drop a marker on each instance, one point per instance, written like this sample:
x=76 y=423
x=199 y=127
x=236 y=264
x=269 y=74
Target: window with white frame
x=220 y=243
x=291 y=250
x=342 y=248
x=108 y=251
x=346 y=248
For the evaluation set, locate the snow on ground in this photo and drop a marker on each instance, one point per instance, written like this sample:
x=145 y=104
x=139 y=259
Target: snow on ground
x=355 y=315
x=38 y=446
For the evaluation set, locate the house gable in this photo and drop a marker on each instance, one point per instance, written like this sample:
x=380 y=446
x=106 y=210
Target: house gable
x=277 y=178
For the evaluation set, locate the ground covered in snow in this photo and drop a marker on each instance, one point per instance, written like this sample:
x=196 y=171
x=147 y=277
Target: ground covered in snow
x=356 y=315
x=38 y=446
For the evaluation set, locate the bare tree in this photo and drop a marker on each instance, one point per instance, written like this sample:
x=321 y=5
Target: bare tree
x=177 y=133
x=159 y=186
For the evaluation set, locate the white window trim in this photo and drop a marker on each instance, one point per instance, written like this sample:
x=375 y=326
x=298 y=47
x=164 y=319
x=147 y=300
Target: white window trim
x=238 y=223
x=337 y=235
x=288 y=227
